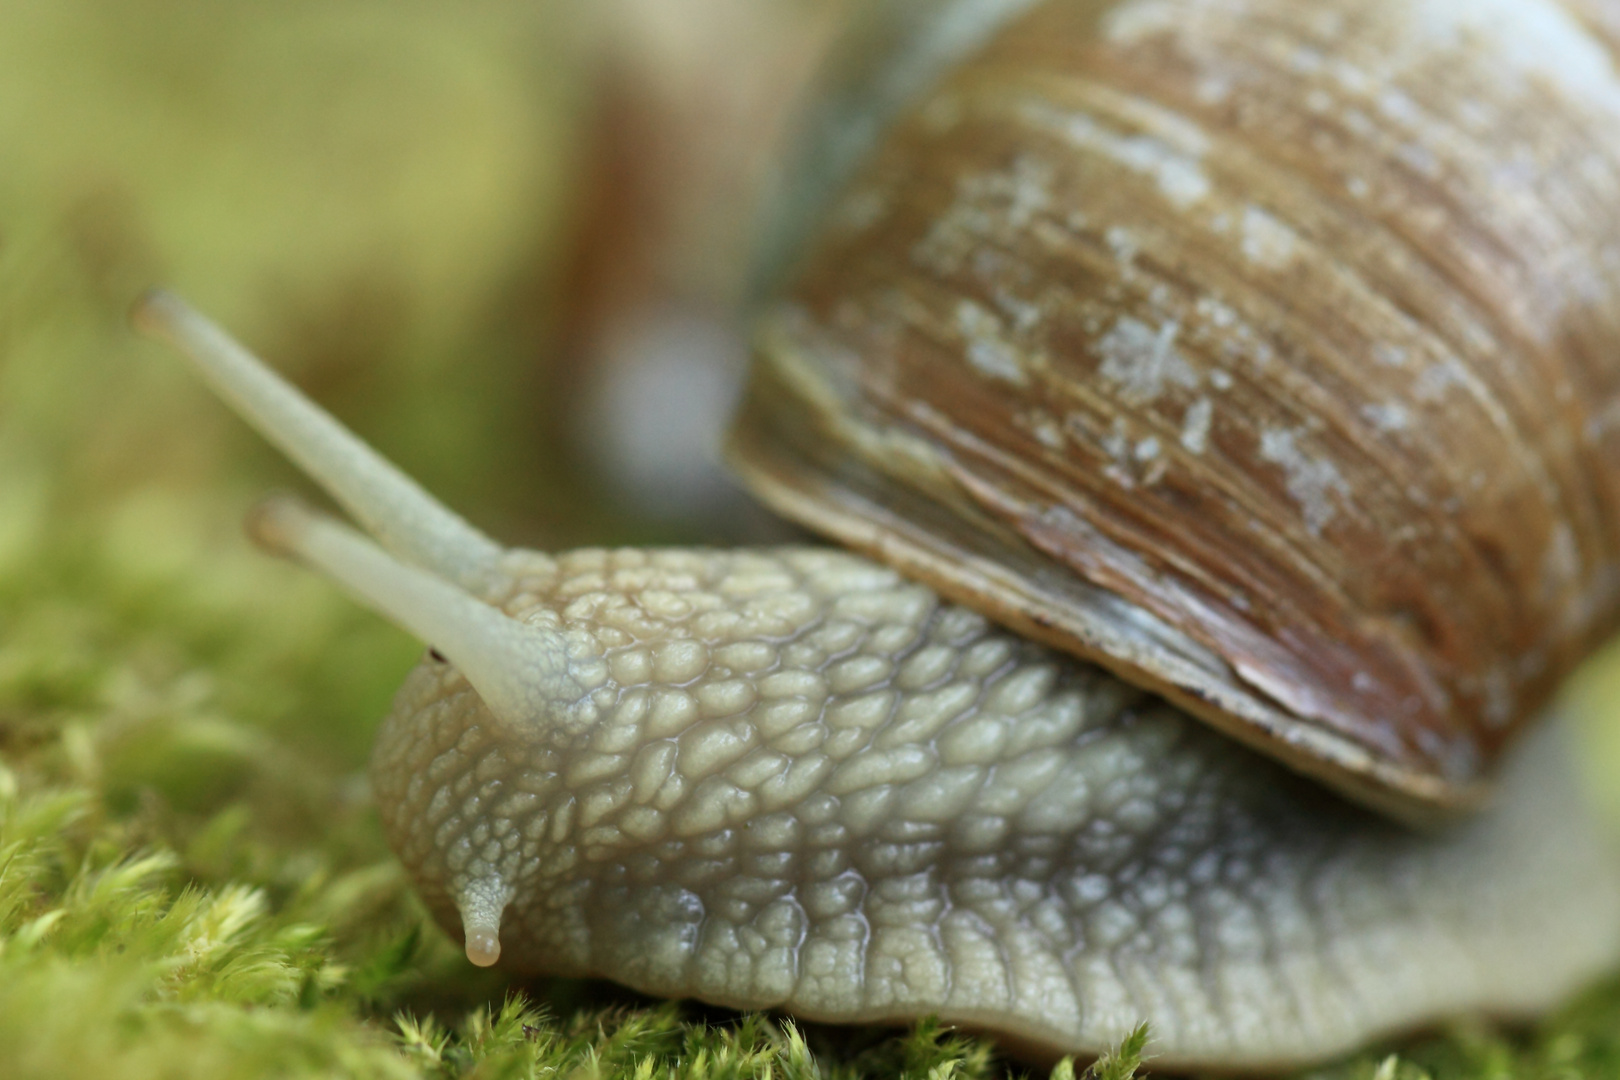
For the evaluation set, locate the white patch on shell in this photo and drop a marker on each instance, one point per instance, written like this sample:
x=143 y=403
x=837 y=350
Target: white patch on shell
x=1048 y=432
x=1195 y=426
x=1139 y=362
x=1216 y=312
x=1026 y=190
x=1129 y=23
x=994 y=205
x=988 y=351
x=1118 y=442
x=1180 y=181
x=1025 y=316
x=1420 y=159
x=1305 y=60
x=1135 y=461
x=1121 y=243
x=1213 y=89
x=1397 y=106
x=1560 y=563
x=1438 y=378
x=1175 y=169
x=1314 y=483
x=1267 y=241
x=1537 y=42
x=1390 y=355
x=1386 y=417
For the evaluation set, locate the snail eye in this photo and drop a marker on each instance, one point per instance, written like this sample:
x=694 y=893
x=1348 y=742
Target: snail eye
x=437 y=657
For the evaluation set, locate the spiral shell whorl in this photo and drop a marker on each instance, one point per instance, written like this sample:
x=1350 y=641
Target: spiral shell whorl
x=1295 y=327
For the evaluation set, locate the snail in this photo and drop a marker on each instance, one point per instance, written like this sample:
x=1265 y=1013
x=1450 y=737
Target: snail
x=1224 y=397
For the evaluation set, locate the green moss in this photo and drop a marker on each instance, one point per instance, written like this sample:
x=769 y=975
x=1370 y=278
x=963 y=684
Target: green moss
x=192 y=882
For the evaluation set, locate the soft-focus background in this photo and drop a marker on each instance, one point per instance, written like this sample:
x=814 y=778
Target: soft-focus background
x=434 y=218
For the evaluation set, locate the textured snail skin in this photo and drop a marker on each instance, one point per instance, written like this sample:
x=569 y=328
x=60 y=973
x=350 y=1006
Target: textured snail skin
x=802 y=781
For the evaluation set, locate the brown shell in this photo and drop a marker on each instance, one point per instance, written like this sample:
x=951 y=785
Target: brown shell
x=1267 y=353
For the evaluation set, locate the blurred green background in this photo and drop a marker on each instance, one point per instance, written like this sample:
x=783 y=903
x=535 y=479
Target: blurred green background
x=375 y=196
x=368 y=193
x=191 y=879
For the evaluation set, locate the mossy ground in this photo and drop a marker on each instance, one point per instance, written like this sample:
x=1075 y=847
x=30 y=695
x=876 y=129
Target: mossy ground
x=192 y=882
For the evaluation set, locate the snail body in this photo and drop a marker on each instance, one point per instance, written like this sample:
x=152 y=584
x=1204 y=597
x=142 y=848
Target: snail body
x=793 y=778
x=806 y=779
x=815 y=786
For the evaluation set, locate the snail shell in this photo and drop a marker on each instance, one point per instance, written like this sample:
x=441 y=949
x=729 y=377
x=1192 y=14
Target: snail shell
x=800 y=778
x=1267 y=354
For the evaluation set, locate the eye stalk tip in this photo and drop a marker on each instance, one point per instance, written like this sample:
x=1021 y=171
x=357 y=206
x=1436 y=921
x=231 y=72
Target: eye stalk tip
x=483 y=947
x=153 y=313
x=387 y=503
x=277 y=523
x=481 y=904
